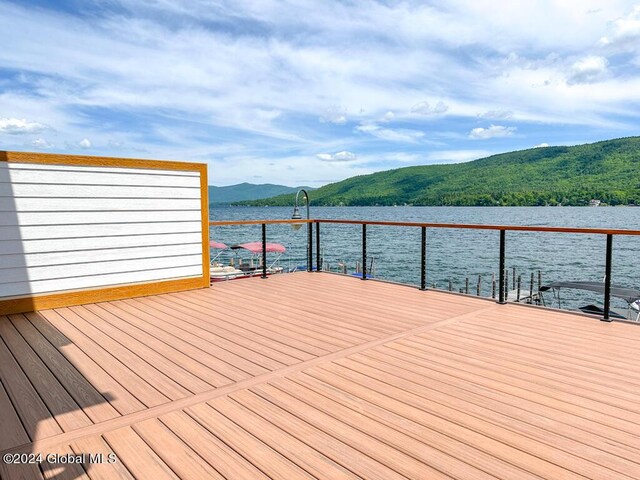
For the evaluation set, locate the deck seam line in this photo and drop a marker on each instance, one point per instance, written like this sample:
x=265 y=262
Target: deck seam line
x=182 y=403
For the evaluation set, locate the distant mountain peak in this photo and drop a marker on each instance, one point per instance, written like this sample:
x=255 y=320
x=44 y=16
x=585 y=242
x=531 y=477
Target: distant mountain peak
x=248 y=191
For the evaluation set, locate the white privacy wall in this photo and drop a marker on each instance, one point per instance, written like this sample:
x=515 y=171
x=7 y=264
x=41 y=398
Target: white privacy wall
x=74 y=227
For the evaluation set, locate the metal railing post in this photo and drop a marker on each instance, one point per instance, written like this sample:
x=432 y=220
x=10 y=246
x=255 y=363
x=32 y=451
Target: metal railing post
x=318 y=259
x=607 y=279
x=264 y=250
x=309 y=247
x=423 y=263
x=364 y=251
x=501 y=286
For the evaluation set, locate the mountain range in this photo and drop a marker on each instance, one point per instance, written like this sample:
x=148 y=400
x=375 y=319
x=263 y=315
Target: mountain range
x=248 y=191
x=608 y=171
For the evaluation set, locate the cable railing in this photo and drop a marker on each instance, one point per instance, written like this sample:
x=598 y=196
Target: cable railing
x=503 y=229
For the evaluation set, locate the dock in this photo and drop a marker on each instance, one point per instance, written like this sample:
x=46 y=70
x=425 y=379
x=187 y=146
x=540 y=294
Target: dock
x=317 y=375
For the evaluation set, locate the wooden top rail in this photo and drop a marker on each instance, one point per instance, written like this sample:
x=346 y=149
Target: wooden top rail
x=213 y=223
x=522 y=228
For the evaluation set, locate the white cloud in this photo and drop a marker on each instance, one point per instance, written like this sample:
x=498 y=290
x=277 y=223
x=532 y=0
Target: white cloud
x=84 y=143
x=343 y=156
x=17 y=126
x=424 y=108
x=625 y=31
x=391 y=135
x=497 y=114
x=588 y=70
x=541 y=145
x=41 y=144
x=494 y=131
x=388 y=117
x=336 y=115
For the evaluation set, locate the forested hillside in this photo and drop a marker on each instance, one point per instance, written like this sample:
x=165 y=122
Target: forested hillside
x=608 y=171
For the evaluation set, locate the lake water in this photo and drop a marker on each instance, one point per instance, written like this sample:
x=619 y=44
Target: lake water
x=456 y=254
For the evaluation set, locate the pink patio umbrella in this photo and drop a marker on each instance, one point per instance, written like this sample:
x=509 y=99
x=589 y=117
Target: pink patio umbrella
x=256 y=247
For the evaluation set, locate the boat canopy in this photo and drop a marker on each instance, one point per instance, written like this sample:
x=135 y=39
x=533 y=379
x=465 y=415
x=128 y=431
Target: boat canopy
x=256 y=247
x=220 y=245
x=630 y=295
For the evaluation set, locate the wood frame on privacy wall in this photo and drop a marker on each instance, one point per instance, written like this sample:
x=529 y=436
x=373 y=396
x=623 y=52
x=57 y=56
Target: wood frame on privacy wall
x=35 y=302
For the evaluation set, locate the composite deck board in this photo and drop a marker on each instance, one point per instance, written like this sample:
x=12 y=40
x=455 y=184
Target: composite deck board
x=315 y=312
x=564 y=401
x=233 y=348
x=558 y=363
x=320 y=376
x=215 y=368
x=266 y=327
x=13 y=432
x=100 y=470
x=510 y=408
x=113 y=357
x=535 y=373
x=326 y=313
x=85 y=394
x=279 y=321
x=32 y=411
x=86 y=368
x=145 y=354
x=202 y=325
x=137 y=456
x=233 y=322
x=68 y=471
x=227 y=462
x=505 y=372
x=61 y=405
x=492 y=432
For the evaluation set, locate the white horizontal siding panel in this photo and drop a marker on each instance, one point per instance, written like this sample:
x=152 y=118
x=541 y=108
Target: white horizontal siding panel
x=26 y=190
x=101 y=231
x=9 y=166
x=12 y=275
x=94 y=281
x=68 y=227
x=101 y=178
x=10 y=247
x=88 y=218
x=86 y=256
x=8 y=204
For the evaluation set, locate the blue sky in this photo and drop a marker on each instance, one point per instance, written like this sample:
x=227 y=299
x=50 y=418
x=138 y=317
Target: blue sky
x=311 y=92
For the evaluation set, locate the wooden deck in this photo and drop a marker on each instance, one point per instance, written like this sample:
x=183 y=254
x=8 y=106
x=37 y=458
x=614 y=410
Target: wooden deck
x=314 y=375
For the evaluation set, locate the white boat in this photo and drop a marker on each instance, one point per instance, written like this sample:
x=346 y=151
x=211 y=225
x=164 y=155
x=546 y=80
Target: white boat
x=248 y=267
x=221 y=273
x=629 y=295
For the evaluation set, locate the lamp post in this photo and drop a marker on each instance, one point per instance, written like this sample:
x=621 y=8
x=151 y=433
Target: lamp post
x=296 y=226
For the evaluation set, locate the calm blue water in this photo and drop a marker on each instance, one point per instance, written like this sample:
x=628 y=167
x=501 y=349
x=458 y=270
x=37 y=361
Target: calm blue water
x=455 y=254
